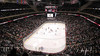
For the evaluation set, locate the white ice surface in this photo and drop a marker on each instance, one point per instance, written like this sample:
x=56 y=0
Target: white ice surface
x=49 y=38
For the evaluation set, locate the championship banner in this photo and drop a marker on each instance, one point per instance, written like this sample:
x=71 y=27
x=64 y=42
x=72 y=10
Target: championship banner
x=17 y=1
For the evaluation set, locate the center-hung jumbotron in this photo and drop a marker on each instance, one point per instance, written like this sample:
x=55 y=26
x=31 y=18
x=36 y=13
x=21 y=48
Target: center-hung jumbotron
x=50 y=37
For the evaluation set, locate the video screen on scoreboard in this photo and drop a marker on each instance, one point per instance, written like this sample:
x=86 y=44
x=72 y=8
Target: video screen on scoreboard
x=50 y=8
x=49 y=14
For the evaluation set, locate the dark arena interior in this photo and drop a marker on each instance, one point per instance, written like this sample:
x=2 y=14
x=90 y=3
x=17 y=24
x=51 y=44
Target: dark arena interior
x=19 y=18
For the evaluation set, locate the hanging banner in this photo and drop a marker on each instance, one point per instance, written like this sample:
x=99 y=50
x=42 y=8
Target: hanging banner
x=21 y=1
x=17 y=1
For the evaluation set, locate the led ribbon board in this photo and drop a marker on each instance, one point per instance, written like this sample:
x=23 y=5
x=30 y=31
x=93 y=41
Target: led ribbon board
x=50 y=37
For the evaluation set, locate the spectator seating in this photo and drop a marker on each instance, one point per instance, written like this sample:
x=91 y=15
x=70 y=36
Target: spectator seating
x=82 y=36
x=94 y=9
x=8 y=9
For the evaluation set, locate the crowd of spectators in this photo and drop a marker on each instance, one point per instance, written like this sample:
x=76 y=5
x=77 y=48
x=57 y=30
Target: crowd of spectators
x=15 y=31
x=82 y=36
x=69 y=7
x=8 y=9
x=94 y=9
x=41 y=7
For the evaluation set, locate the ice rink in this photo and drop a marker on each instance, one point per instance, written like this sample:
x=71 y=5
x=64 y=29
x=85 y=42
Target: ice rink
x=50 y=37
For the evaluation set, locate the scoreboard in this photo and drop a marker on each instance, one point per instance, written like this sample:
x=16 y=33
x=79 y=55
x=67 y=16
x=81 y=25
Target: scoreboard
x=51 y=11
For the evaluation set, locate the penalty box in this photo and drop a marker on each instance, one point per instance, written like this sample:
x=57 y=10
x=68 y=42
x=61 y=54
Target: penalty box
x=50 y=37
